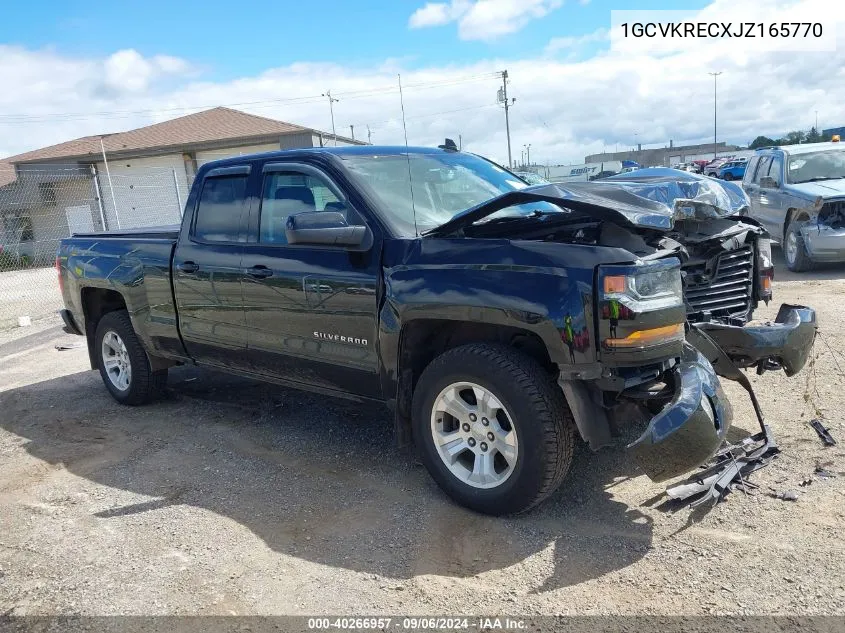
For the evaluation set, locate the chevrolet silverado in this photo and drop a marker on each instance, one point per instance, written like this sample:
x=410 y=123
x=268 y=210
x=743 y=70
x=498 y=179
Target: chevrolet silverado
x=496 y=319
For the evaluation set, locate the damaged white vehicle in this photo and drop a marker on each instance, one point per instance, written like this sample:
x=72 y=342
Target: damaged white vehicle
x=797 y=193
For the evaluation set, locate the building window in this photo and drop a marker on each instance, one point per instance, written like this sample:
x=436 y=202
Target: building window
x=47 y=190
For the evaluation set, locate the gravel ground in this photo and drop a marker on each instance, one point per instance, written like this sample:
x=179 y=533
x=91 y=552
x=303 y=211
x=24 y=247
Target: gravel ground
x=233 y=497
x=33 y=293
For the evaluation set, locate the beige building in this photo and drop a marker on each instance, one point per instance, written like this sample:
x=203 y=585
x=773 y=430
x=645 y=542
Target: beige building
x=144 y=179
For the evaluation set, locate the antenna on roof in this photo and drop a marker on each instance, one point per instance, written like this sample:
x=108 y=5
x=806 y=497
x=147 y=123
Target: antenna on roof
x=408 y=155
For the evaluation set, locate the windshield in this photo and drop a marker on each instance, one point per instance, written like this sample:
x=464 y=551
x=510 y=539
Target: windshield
x=825 y=165
x=444 y=184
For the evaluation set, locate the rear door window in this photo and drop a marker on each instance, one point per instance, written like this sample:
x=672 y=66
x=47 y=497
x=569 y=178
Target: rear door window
x=762 y=169
x=221 y=204
x=776 y=169
x=749 y=170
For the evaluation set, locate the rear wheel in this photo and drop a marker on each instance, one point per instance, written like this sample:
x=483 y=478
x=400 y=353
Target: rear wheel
x=493 y=428
x=123 y=363
x=729 y=176
x=794 y=252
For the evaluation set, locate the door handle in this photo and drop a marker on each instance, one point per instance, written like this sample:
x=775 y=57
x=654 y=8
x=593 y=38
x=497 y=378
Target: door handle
x=187 y=267
x=259 y=272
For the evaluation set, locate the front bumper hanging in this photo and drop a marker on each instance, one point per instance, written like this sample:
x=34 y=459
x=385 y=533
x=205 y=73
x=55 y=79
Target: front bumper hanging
x=692 y=427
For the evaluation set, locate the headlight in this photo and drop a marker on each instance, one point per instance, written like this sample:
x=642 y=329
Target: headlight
x=641 y=306
x=646 y=288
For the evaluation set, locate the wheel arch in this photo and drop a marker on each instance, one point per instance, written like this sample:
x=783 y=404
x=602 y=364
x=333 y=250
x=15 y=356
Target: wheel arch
x=422 y=340
x=96 y=303
x=793 y=214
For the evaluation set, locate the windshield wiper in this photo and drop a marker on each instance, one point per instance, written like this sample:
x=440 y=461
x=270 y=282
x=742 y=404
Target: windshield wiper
x=818 y=178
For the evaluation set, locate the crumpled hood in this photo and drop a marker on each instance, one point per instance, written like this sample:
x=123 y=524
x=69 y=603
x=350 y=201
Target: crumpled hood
x=650 y=198
x=823 y=188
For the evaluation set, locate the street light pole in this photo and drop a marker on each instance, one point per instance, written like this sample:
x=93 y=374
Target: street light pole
x=715 y=144
x=528 y=153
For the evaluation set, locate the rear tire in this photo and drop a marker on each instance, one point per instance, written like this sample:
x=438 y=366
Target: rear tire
x=794 y=251
x=123 y=363
x=728 y=176
x=523 y=404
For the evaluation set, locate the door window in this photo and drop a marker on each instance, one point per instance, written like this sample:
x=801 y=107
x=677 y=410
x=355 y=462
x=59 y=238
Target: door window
x=776 y=170
x=288 y=193
x=749 y=170
x=762 y=169
x=219 y=210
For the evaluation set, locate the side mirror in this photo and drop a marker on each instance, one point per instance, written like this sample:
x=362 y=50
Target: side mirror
x=327 y=228
x=768 y=182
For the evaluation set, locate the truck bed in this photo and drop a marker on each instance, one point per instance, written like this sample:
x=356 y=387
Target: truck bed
x=136 y=264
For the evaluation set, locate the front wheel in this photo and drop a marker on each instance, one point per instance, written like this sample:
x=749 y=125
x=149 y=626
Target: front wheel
x=794 y=252
x=729 y=176
x=492 y=427
x=123 y=363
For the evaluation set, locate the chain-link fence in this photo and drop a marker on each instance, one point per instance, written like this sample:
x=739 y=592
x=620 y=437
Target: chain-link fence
x=40 y=207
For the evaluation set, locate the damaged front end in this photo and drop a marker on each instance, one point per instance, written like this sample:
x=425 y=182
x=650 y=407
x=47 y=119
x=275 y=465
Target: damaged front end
x=663 y=342
x=824 y=233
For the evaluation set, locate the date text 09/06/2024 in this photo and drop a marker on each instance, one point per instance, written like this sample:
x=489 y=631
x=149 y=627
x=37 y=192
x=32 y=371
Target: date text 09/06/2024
x=417 y=623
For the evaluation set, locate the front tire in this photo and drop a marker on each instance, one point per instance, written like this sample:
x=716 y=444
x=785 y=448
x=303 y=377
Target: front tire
x=728 y=177
x=123 y=363
x=492 y=427
x=794 y=252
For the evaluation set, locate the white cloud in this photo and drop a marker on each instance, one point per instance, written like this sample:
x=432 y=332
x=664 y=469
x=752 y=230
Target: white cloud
x=438 y=13
x=560 y=44
x=566 y=108
x=483 y=19
x=129 y=70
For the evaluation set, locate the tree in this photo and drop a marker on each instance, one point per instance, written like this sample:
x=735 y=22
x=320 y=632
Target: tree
x=795 y=137
x=761 y=141
x=813 y=136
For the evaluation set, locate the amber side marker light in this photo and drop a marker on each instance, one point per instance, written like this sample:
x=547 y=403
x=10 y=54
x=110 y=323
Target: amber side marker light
x=614 y=284
x=641 y=338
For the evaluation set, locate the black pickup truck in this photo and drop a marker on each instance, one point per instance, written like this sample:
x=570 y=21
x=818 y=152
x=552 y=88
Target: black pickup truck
x=496 y=319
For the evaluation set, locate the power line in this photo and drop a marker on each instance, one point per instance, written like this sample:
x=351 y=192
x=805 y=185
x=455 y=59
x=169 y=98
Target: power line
x=352 y=94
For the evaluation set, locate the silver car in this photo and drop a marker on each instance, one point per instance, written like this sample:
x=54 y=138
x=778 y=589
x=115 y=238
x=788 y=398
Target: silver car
x=797 y=192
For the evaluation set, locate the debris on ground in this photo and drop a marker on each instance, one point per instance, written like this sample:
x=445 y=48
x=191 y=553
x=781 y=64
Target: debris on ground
x=61 y=347
x=823 y=473
x=806 y=482
x=729 y=469
x=787 y=495
x=823 y=432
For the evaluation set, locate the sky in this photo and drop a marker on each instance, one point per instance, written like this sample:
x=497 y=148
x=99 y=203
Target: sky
x=74 y=68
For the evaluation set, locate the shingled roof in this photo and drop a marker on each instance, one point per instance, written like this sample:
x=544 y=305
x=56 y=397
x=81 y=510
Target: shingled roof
x=217 y=125
x=7 y=173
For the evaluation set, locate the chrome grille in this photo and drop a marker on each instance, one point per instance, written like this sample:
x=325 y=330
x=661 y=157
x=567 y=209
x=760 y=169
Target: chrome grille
x=725 y=291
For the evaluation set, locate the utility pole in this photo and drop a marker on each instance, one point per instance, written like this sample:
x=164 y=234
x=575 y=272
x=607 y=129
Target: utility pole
x=460 y=143
x=369 y=135
x=502 y=97
x=332 y=100
x=352 y=131
x=522 y=157
x=528 y=153
x=817 y=121
x=715 y=144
